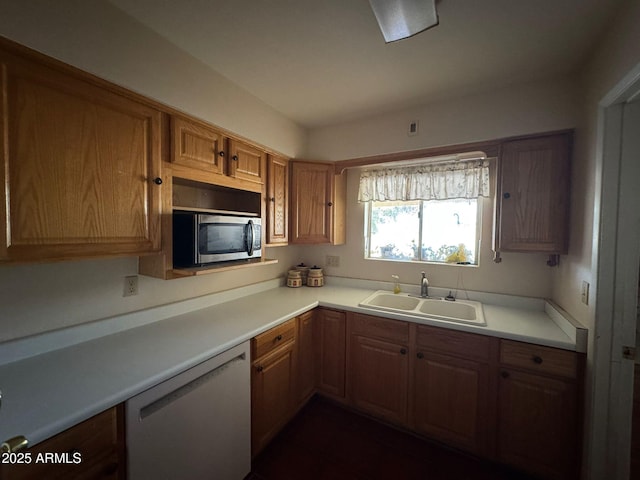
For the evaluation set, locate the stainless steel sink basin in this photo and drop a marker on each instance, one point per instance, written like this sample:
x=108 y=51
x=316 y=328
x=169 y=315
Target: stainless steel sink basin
x=460 y=311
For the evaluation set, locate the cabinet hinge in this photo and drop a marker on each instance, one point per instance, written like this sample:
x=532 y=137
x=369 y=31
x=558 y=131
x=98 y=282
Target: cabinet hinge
x=628 y=353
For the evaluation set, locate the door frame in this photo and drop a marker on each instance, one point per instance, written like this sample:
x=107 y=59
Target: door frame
x=615 y=246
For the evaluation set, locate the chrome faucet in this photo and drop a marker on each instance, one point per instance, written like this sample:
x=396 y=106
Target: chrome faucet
x=424 y=286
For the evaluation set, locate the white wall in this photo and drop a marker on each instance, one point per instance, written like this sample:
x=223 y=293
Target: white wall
x=517 y=274
x=517 y=110
x=101 y=39
x=98 y=38
x=616 y=55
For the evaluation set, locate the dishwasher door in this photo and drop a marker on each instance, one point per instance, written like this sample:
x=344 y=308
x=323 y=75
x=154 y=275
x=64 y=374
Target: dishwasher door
x=196 y=425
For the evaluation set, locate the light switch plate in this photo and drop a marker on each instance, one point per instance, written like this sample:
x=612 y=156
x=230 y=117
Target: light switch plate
x=585 y=293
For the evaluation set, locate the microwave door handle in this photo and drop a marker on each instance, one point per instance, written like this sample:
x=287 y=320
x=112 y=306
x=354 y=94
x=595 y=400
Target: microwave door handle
x=250 y=242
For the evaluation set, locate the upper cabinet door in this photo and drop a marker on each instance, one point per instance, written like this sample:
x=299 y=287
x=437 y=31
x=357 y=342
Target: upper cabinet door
x=81 y=165
x=247 y=162
x=277 y=200
x=197 y=146
x=311 y=202
x=533 y=195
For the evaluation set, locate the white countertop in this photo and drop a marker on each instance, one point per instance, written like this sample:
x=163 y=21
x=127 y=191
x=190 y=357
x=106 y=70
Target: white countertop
x=47 y=393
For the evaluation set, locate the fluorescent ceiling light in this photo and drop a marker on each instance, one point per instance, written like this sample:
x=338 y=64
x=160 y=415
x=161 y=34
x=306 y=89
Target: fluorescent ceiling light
x=400 y=19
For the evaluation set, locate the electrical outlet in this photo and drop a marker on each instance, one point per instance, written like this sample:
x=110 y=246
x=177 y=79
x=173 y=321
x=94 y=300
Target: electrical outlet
x=413 y=128
x=130 y=286
x=585 y=293
x=332 y=261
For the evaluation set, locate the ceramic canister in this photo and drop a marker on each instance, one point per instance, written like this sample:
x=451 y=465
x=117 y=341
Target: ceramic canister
x=315 y=278
x=304 y=271
x=294 y=279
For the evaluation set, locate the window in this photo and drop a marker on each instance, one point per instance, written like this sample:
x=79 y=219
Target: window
x=425 y=212
x=424 y=230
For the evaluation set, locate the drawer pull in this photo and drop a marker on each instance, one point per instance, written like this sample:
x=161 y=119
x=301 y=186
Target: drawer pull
x=537 y=359
x=420 y=355
x=504 y=374
x=14 y=444
x=403 y=351
x=279 y=337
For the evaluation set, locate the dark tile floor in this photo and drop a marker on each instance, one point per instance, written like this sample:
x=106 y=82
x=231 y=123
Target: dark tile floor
x=325 y=441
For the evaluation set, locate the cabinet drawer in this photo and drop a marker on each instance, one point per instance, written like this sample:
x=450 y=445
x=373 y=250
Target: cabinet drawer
x=95 y=441
x=271 y=339
x=451 y=342
x=537 y=358
x=380 y=327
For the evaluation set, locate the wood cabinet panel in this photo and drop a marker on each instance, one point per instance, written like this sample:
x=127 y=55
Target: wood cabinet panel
x=317 y=204
x=451 y=342
x=330 y=334
x=80 y=164
x=277 y=200
x=537 y=424
x=378 y=327
x=273 y=338
x=450 y=400
x=533 y=195
x=197 y=146
x=97 y=442
x=247 y=162
x=305 y=373
x=272 y=383
x=378 y=377
x=539 y=359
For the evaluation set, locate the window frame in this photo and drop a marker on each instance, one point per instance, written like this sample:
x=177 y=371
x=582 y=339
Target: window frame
x=368 y=212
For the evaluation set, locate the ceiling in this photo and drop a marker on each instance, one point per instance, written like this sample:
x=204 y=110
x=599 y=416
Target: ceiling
x=322 y=62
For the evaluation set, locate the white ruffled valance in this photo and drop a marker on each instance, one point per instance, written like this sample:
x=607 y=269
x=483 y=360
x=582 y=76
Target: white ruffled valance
x=444 y=181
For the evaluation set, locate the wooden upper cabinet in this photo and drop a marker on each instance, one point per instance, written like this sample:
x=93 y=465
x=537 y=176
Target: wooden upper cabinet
x=79 y=165
x=532 y=203
x=317 y=204
x=277 y=200
x=247 y=162
x=197 y=146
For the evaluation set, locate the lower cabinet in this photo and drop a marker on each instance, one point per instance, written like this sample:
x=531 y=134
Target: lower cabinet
x=272 y=383
x=538 y=410
x=330 y=345
x=92 y=450
x=378 y=366
x=305 y=374
x=507 y=401
x=450 y=388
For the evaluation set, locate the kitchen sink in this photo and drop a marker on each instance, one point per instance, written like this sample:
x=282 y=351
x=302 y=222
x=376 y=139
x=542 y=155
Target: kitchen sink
x=435 y=308
x=394 y=302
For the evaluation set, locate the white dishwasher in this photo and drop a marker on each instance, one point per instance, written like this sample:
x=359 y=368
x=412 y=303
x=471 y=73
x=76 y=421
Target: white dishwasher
x=196 y=425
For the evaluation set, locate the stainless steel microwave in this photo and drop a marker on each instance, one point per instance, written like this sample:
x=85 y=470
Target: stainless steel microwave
x=202 y=238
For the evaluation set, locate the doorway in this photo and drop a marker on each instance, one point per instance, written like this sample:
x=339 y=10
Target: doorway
x=617 y=257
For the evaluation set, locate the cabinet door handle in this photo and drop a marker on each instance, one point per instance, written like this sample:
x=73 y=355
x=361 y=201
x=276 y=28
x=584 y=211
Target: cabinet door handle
x=330 y=204
x=403 y=351
x=536 y=359
x=221 y=153
x=279 y=337
x=234 y=158
x=259 y=368
x=420 y=355
x=157 y=181
x=504 y=374
x=272 y=199
x=507 y=195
